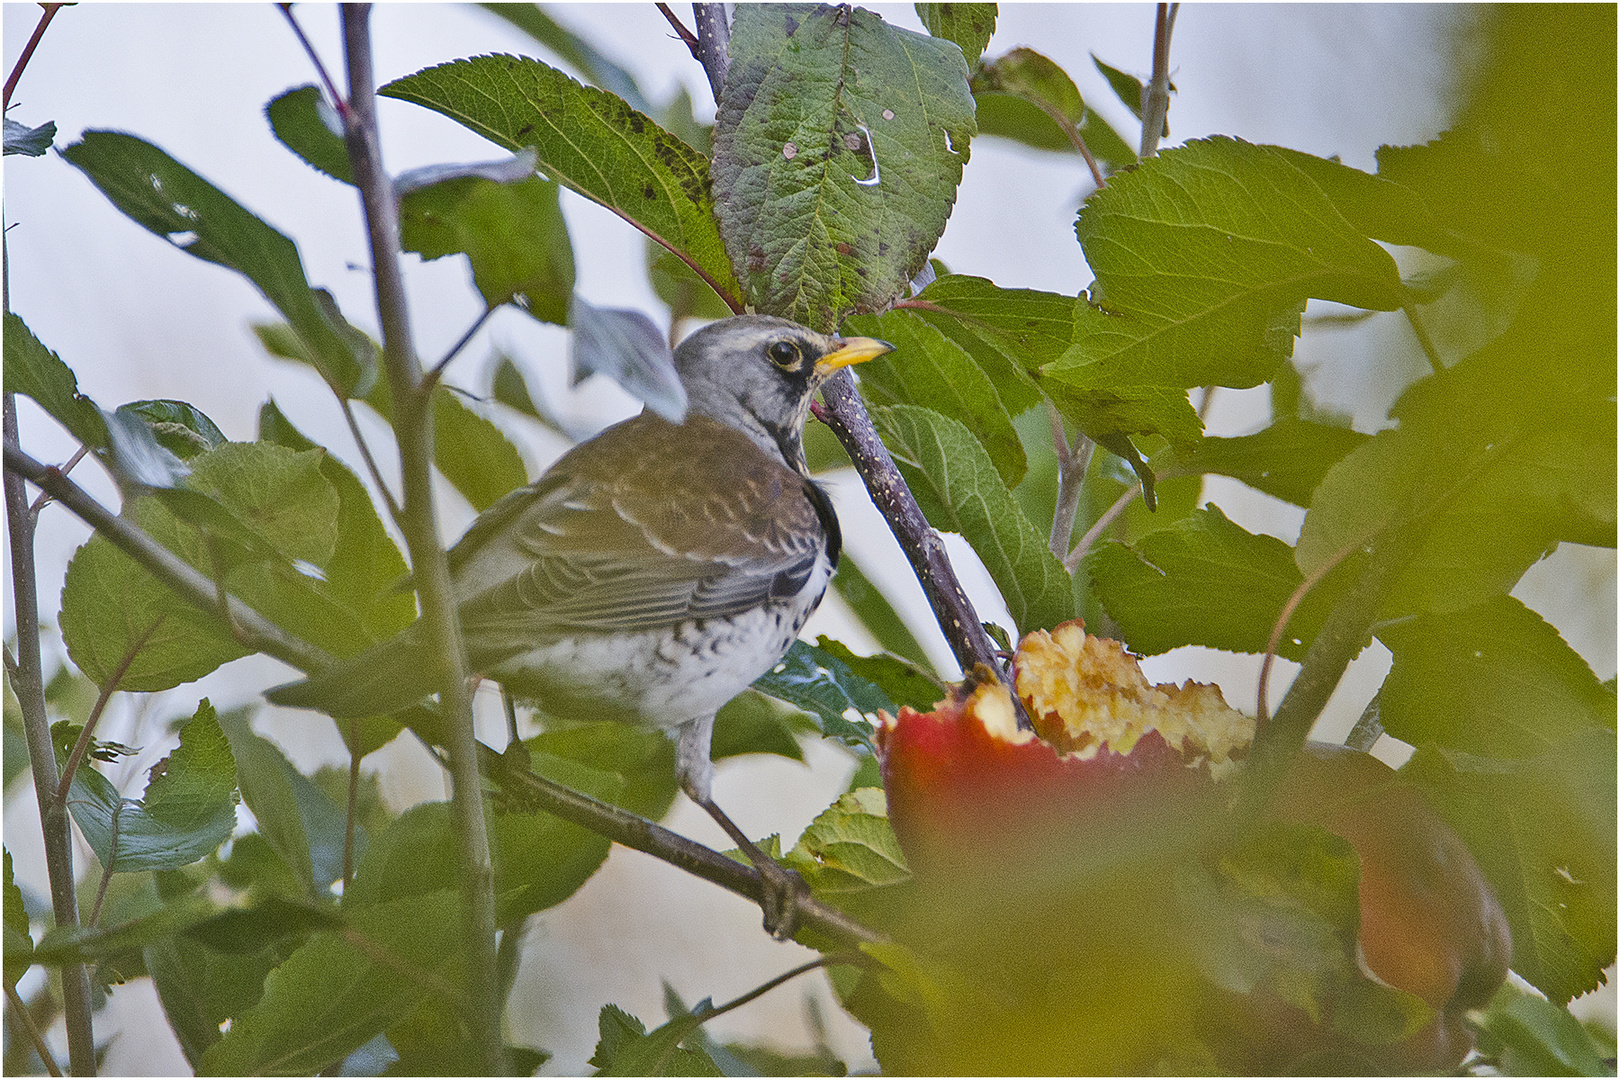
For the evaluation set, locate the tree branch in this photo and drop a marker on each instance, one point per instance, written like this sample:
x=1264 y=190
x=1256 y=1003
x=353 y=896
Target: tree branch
x=413 y=430
x=29 y=686
x=25 y=1020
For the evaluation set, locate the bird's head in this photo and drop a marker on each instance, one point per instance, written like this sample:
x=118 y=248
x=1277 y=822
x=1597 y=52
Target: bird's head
x=758 y=374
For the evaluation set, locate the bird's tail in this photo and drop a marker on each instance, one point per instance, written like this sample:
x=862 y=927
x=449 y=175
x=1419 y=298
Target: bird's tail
x=384 y=679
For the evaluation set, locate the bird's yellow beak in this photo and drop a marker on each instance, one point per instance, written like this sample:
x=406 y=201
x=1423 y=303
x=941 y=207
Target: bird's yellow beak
x=854 y=350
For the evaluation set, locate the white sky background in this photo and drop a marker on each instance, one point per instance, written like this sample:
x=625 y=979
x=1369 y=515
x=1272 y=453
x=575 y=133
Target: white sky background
x=137 y=319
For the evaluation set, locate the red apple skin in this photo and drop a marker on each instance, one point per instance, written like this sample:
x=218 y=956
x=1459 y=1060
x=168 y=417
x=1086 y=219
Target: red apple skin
x=964 y=786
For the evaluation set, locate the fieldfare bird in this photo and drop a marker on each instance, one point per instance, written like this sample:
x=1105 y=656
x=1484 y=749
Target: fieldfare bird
x=654 y=571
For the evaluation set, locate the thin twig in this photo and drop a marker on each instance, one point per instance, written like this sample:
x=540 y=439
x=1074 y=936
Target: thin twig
x=412 y=400
x=19 y=1009
x=107 y=871
x=436 y=370
x=1262 y=711
x=1072 y=560
x=314 y=58
x=28 y=52
x=1425 y=342
x=1157 y=105
x=701 y=1018
x=1072 y=464
x=105 y=694
x=365 y=456
x=44 y=499
x=688 y=38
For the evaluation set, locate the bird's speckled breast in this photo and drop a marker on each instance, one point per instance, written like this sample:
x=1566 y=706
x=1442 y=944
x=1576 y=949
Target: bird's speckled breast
x=661 y=678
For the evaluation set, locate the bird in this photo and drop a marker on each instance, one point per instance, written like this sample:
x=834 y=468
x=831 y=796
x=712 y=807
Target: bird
x=653 y=572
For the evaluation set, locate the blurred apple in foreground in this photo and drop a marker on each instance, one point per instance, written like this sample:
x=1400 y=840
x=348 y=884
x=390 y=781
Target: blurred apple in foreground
x=1350 y=934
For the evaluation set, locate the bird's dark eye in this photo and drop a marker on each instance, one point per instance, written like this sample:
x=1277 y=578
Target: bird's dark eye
x=784 y=354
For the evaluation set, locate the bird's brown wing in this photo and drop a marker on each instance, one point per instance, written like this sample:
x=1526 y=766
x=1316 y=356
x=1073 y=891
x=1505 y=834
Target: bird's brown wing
x=644 y=526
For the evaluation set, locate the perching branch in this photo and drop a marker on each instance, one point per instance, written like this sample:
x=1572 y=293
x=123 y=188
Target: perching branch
x=413 y=430
x=522 y=786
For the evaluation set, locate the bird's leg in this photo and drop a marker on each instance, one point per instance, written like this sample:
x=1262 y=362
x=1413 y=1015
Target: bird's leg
x=695 y=771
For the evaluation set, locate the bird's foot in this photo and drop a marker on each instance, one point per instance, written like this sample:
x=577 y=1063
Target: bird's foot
x=784 y=889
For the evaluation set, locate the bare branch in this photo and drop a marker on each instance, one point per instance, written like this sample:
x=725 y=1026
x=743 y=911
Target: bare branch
x=25 y=1019
x=1072 y=559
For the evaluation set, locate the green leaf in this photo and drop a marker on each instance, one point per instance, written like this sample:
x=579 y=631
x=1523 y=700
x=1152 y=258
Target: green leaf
x=1018 y=335
x=850 y=846
x=113 y=609
x=180 y=427
x=1490 y=448
x=588 y=140
x=307 y=125
x=969 y=25
x=341 y=988
x=1279 y=919
x=752 y=723
x=688 y=296
x=301 y=824
x=1026 y=74
x=958 y=489
x=1493 y=680
x=79 y=945
x=539 y=860
x=365 y=568
x=1287 y=460
x=823 y=686
x=580 y=54
x=643 y=759
x=902 y=682
x=838 y=146
x=1204 y=257
x=1543 y=831
x=929 y=370
x=1205 y=581
x=34 y=370
x=175 y=203
x=19 y=940
x=626 y=1048
x=1128 y=88
x=189 y=808
x=513 y=234
x=876 y=613
x=1534 y=1037
x=32 y=142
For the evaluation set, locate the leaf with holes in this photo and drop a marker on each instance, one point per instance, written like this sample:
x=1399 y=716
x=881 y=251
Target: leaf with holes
x=838 y=146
